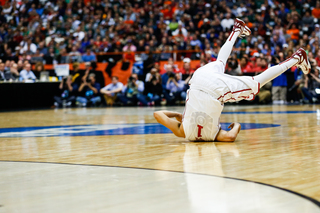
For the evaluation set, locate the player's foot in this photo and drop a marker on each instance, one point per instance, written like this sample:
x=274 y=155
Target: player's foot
x=303 y=62
x=240 y=26
x=246 y=32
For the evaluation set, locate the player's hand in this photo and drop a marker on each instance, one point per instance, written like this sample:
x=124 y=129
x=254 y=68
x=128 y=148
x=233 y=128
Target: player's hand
x=235 y=125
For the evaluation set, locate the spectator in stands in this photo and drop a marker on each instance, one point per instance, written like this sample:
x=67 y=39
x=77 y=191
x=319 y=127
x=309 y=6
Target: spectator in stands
x=175 y=86
x=76 y=75
x=264 y=95
x=129 y=56
x=293 y=31
x=67 y=93
x=186 y=67
x=195 y=41
x=181 y=30
x=152 y=92
x=170 y=64
x=317 y=30
x=4 y=75
x=311 y=88
x=43 y=50
x=246 y=66
x=111 y=91
x=227 y=22
x=151 y=74
x=38 y=68
x=316 y=10
x=14 y=71
x=295 y=91
x=87 y=71
x=317 y=58
x=79 y=35
x=75 y=55
x=129 y=47
x=89 y=56
x=307 y=21
x=279 y=84
x=20 y=65
x=26 y=74
x=166 y=54
x=49 y=57
x=7 y=65
x=28 y=47
x=165 y=76
x=133 y=92
x=89 y=92
x=233 y=66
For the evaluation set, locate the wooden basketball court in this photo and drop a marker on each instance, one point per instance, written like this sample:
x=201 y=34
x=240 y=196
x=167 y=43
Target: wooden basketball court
x=121 y=160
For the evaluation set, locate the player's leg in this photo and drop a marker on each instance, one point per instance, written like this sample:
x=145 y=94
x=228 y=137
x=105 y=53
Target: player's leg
x=239 y=29
x=299 y=58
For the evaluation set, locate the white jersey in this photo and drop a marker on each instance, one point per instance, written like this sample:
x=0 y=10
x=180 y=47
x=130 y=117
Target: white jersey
x=209 y=89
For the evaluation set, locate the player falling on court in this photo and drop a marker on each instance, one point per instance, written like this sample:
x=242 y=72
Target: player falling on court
x=210 y=88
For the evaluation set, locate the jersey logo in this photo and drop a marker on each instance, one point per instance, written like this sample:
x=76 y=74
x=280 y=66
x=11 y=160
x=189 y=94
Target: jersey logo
x=199 y=122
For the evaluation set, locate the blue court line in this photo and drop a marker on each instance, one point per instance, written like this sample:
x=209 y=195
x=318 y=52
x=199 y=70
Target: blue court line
x=272 y=112
x=109 y=129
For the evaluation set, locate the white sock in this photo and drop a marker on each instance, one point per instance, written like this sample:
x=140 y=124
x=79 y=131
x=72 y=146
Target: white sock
x=275 y=71
x=226 y=49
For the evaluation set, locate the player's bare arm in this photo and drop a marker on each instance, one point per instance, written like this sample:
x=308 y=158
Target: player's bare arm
x=229 y=136
x=171 y=120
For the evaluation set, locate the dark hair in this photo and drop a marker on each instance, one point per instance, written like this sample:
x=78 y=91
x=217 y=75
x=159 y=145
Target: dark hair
x=94 y=65
x=274 y=59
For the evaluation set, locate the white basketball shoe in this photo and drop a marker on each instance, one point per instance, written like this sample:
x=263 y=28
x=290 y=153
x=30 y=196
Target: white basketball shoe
x=240 y=26
x=303 y=62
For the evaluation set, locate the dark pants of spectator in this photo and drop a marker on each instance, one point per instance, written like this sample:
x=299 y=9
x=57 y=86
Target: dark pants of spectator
x=133 y=100
x=84 y=101
x=145 y=99
x=172 y=97
x=308 y=95
x=69 y=100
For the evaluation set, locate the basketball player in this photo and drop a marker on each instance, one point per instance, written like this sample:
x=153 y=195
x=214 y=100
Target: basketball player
x=210 y=88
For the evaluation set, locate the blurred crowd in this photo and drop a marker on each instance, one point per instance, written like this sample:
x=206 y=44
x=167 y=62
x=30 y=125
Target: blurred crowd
x=66 y=31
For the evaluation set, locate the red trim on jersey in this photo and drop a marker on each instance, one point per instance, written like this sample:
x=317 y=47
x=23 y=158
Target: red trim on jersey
x=231 y=35
x=222 y=96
